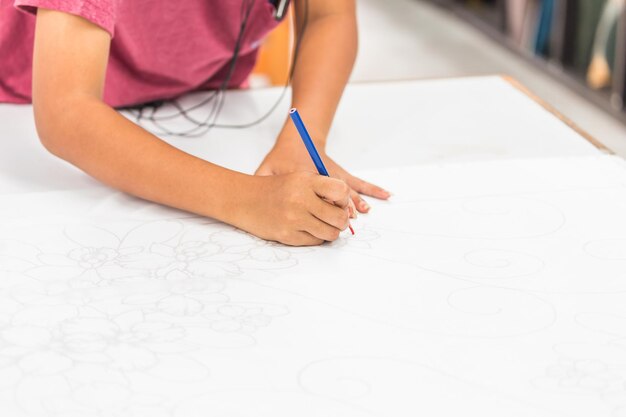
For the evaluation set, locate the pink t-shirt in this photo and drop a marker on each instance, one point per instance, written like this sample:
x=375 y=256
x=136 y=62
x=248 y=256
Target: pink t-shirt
x=159 y=49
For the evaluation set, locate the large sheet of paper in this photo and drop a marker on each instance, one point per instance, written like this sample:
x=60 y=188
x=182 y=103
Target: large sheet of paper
x=378 y=125
x=481 y=289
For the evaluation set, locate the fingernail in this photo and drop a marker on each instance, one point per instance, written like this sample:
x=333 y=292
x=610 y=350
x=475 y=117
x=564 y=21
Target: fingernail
x=365 y=206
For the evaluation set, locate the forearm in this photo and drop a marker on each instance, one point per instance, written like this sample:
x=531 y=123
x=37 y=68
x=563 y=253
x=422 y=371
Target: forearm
x=97 y=139
x=326 y=57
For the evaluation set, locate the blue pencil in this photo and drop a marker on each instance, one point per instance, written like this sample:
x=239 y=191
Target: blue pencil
x=310 y=147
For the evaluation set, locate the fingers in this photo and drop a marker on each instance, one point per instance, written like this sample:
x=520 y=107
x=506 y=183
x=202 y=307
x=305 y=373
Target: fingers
x=322 y=230
x=330 y=214
x=352 y=207
x=364 y=187
x=333 y=190
x=360 y=204
x=302 y=238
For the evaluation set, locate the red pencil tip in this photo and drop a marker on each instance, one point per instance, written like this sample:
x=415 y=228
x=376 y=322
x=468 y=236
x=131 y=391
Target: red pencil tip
x=351 y=230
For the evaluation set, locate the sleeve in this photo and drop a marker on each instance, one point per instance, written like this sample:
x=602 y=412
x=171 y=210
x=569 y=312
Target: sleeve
x=99 y=12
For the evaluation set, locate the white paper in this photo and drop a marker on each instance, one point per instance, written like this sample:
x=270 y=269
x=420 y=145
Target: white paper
x=378 y=125
x=481 y=289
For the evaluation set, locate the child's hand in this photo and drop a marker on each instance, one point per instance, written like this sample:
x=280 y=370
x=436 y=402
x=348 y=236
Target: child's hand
x=297 y=209
x=291 y=158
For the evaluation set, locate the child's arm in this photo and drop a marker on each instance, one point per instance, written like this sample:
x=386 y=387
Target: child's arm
x=74 y=123
x=327 y=53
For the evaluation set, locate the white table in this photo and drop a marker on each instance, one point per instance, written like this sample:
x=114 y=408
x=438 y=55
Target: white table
x=378 y=125
x=492 y=284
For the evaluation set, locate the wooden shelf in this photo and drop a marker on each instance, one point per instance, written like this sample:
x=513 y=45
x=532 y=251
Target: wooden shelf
x=492 y=23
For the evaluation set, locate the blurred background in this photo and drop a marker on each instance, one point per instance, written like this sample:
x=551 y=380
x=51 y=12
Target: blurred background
x=571 y=53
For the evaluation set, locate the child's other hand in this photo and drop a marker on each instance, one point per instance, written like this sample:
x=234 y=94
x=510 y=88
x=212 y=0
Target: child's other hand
x=292 y=158
x=298 y=209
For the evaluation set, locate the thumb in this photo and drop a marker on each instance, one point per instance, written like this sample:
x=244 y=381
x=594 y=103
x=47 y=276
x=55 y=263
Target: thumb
x=264 y=170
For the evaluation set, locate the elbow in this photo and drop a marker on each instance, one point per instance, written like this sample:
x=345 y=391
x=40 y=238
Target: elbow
x=53 y=125
x=49 y=141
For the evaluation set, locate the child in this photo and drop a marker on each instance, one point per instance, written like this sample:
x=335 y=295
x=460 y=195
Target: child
x=92 y=55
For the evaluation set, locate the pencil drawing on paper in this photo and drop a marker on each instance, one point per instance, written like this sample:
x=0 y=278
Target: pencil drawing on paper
x=168 y=316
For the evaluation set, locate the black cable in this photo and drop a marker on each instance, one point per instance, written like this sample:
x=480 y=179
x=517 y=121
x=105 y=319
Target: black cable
x=217 y=97
x=203 y=127
x=215 y=94
x=287 y=83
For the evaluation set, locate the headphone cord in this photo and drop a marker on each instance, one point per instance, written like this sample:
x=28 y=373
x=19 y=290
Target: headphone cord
x=217 y=97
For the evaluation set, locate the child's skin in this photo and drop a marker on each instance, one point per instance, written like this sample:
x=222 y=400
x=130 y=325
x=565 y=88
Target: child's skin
x=285 y=201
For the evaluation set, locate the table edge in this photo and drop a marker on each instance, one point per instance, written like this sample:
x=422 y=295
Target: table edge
x=508 y=79
x=518 y=86
x=547 y=106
